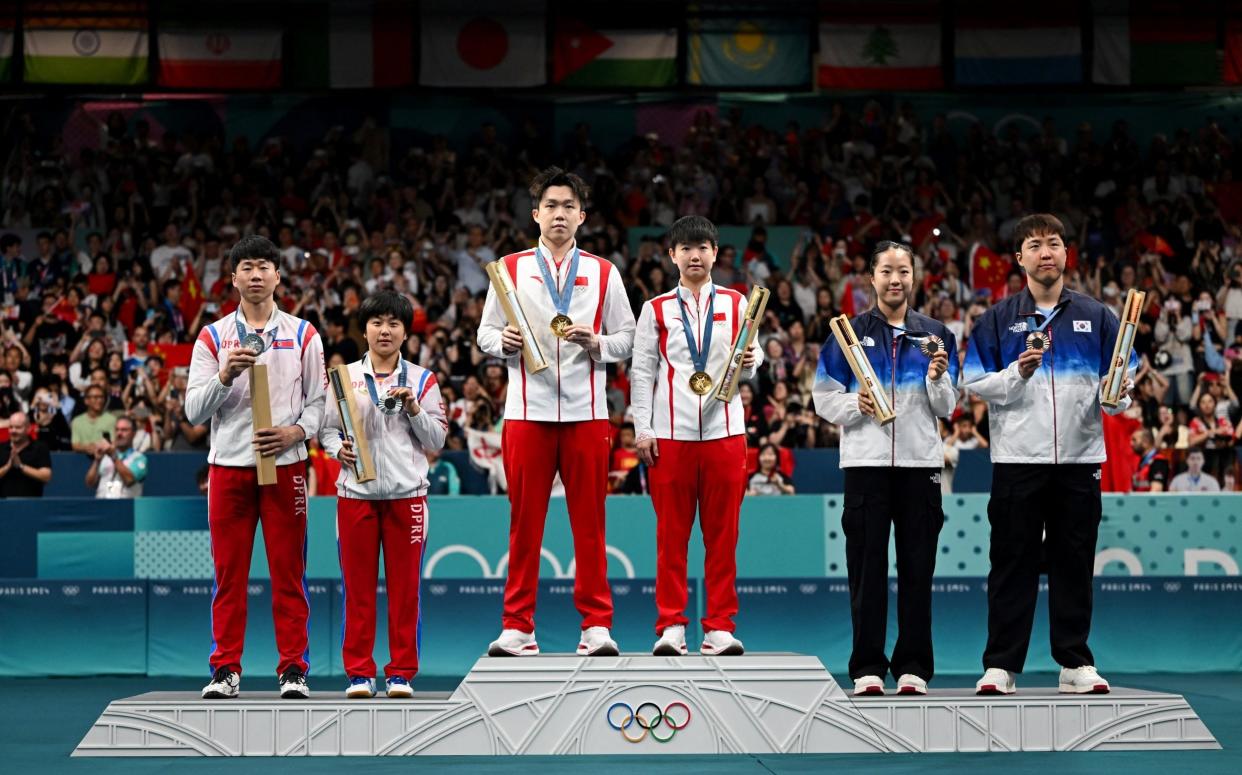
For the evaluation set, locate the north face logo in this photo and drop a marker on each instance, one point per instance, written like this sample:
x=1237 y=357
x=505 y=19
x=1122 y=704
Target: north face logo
x=1019 y=327
x=935 y=478
x=868 y=342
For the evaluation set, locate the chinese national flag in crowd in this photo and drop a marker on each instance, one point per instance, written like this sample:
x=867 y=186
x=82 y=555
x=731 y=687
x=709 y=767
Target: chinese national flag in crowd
x=191 y=294
x=1153 y=243
x=988 y=269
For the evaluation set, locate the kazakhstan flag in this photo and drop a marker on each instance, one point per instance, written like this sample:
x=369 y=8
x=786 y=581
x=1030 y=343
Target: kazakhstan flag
x=747 y=52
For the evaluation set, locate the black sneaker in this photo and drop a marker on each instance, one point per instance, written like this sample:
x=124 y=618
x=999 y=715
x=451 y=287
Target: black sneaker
x=293 y=685
x=225 y=685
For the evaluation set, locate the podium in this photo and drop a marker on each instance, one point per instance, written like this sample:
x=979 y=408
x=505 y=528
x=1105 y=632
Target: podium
x=764 y=703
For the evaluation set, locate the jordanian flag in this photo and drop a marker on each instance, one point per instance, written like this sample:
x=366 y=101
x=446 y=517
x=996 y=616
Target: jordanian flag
x=100 y=43
x=584 y=56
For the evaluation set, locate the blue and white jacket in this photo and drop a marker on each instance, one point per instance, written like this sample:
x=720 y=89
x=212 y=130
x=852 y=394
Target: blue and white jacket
x=912 y=440
x=1054 y=417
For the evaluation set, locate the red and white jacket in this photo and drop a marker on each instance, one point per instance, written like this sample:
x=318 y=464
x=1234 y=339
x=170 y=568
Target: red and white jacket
x=571 y=389
x=397 y=441
x=296 y=382
x=663 y=404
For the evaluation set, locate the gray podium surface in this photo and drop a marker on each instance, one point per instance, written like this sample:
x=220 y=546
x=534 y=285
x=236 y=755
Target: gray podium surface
x=639 y=704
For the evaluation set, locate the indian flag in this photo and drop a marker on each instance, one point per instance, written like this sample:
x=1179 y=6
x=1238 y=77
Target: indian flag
x=587 y=57
x=220 y=58
x=89 y=49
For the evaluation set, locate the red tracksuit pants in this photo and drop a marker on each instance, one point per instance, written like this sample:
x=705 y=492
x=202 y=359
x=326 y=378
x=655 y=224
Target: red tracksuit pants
x=533 y=453
x=362 y=527
x=708 y=477
x=236 y=504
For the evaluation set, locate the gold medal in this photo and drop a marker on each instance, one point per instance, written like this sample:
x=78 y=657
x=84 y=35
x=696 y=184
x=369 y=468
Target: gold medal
x=560 y=326
x=931 y=345
x=1037 y=340
x=700 y=383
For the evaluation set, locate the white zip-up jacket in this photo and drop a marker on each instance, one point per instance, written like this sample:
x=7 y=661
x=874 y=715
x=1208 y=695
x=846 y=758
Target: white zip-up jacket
x=572 y=388
x=397 y=441
x=296 y=384
x=663 y=404
x=1053 y=417
x=912 y=440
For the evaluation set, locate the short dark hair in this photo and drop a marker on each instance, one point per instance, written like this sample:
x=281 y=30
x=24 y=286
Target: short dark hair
x=883 y=246
x=1035 y=224
x=257 y=248
x=693 y=230
x=387 y=303
x=555 y=176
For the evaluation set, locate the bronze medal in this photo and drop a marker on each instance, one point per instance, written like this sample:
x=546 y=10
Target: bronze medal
x=560 y=326
x=700 y=383
x=931 y=345
x=1037 y=340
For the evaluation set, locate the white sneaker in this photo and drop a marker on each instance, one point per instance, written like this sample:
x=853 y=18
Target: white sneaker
x=996 y=681
x=514 y=643
x=360 y=688
x=399 y=688
x=596 y=642
x=909 y=683
x=868 y=686
x=293 y=685
x=1082 y=680
x=672 y=642
x=225 y=685
x=719 y=643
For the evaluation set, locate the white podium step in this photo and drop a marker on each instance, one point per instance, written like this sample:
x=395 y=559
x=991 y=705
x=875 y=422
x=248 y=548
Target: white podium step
x=632 y=704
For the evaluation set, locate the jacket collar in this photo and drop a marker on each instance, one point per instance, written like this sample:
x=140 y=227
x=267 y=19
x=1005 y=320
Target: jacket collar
x=907 y=324
x=1026 y=302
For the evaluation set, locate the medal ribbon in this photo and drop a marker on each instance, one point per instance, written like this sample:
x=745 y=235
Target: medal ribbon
x=560 y=297
x=698 y=357
x=371 y=383
x=1030 y=321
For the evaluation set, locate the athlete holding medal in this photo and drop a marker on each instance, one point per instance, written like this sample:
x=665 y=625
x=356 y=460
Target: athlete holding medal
x=693 y=444
x=892 y=471
x=219 y=391
x=556 y=420
x=1040 y=359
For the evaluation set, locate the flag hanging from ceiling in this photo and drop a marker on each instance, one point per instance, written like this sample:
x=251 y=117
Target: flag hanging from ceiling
x=1002 y=46
x=85 y=43
x=747 y=52
x=586 y=56
x=494 y=44
x=896 y=49
x=1164 y=45
x=219 y=57
x=359 y=44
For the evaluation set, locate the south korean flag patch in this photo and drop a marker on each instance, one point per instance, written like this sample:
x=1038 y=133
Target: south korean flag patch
x=1082 y=326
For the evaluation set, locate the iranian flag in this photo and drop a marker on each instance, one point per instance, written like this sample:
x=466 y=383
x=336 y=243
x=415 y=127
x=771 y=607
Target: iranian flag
x=100 y=43
x=220 y=58
x=584 y=56
x=898 y=51
x=494 y=44
x=352 y=45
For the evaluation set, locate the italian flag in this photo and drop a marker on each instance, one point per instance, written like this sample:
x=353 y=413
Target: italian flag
x=352 y=45
x=220 y=58
x=584 y=56
x=87 y=49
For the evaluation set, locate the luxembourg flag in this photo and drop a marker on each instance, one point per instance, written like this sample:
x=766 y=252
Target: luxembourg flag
x=995 y=51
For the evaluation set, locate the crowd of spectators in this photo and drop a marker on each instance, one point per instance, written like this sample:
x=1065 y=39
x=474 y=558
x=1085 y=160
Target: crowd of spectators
x=131 y=236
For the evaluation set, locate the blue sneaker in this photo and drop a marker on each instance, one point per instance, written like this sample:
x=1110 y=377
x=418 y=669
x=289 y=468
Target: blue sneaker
x=399 y=687
x=360 y=688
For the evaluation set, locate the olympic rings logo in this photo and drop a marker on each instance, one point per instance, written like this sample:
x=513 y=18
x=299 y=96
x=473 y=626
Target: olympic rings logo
x=648 y=723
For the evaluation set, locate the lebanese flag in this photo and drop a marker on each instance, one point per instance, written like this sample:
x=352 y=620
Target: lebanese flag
x=220 y=58
x=899 y=49
x=492 y=45
x=988 y=269
x=192 y=298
